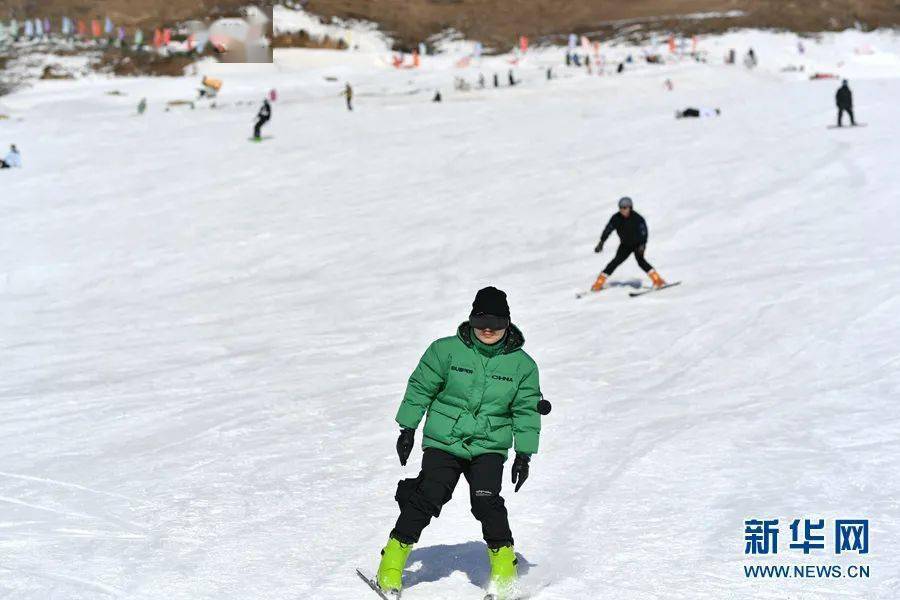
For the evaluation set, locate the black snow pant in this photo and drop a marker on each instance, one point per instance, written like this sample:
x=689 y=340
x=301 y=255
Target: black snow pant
x=3 y=164
x=421 y=498
x=690 y=112
x=841 y=111
x=623 y=253
x=257 y=130
x=350 y=104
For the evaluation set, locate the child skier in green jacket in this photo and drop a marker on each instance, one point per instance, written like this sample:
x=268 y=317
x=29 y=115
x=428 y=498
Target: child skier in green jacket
x=480 y=392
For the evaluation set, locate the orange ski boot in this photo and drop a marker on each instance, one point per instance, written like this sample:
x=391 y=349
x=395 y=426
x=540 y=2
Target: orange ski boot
x=658 y=281
x=598 y=285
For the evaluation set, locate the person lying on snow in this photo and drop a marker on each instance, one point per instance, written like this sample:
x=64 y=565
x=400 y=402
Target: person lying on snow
x=13 y=159
x=696 y=113
x=480 y=392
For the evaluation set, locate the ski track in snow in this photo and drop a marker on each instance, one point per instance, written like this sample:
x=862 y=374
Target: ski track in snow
x=204 y=342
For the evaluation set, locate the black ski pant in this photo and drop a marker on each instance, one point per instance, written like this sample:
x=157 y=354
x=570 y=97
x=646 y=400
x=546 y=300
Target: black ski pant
x=350 y=104
x=841 y=111
x=257 y=130
x=421 y=498
x=3 y=164
x=623 y=253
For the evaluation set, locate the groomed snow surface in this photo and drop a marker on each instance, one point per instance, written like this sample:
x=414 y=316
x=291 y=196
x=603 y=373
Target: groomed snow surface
x=204 y=341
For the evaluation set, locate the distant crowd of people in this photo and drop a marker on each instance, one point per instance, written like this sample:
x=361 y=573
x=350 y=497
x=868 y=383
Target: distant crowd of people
x=211 y=87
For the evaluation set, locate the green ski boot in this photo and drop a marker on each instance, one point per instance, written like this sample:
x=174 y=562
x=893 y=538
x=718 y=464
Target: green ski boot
x=393 y=560
x=503 y=572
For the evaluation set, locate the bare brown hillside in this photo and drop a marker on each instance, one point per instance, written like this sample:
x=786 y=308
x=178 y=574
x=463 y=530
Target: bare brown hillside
x=499 y=22
x=132 y=13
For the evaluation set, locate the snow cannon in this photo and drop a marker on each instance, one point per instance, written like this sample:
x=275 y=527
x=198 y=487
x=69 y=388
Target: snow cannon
x=211 y=87
x=543 y=406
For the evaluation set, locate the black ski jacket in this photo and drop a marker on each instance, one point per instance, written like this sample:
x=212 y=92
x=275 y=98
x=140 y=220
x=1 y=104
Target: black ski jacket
x=265 y=112
x=632 y=231
x=844 y=97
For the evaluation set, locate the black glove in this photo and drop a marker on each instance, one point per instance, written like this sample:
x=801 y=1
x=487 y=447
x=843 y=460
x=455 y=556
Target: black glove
x=405 y=444
x=520 y=469
x=599 y=248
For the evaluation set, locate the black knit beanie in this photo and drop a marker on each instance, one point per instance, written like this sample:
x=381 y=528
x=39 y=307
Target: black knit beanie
x=491 y=301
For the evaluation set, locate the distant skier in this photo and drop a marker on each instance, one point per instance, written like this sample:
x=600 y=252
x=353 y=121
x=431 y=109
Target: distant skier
x=844 y=100
x=697 y=113
x=437 y=96
x=348 y=94
x=13 y=159
x=496 y=80
x=142 y=106
x=262 y=117
x=512 y=78
x=481 y=393
x=750 y=59
x=632 y=230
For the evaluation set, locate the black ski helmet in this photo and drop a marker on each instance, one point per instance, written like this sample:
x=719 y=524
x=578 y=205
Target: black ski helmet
x=625 y=202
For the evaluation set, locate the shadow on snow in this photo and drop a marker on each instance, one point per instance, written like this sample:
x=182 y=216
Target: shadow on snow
x=437 y=562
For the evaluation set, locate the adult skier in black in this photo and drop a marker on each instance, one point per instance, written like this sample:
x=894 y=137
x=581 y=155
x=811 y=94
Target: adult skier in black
x=262 y=117
x=632 y=230
x=844 y=100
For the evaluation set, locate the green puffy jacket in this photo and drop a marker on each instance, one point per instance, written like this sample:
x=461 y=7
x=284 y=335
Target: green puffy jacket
x=478 y=397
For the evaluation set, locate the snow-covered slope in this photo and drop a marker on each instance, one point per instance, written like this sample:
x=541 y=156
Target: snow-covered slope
x=204 y=341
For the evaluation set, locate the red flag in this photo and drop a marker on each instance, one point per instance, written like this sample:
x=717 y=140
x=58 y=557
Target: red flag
x=157 y=38
x=167 y=36
x=95 y=28
x=82 y=28
x=672 y=44
x=523 y=44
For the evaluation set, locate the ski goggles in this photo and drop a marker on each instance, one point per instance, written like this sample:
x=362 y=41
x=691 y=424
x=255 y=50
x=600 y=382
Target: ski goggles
x=485 y=321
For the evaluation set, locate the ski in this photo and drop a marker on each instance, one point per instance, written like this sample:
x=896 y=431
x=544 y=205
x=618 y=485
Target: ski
x=371 y=583
x=847 y=126
x=649 y=290
x=613 y=284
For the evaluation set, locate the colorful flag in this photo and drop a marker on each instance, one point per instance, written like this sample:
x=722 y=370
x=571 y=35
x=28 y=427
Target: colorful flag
x=523 y=43
x=95 y=28
x=108 y=26
x=573 y=42
x=138 y=38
